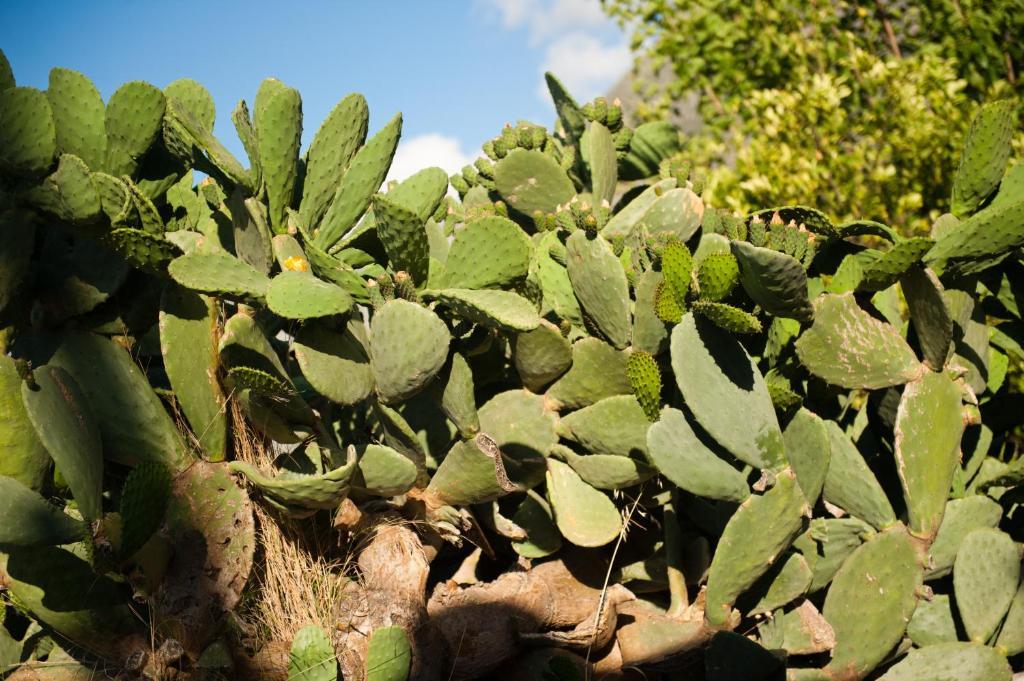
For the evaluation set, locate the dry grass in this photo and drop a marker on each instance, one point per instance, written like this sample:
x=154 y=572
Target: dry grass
x=301 y=570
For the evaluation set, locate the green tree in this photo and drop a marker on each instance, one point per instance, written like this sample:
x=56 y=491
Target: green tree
x=857 y=107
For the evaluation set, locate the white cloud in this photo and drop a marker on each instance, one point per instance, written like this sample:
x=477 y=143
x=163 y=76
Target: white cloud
x=545 y=18
x=424 y=151
x=585 y=65
x=581 y=45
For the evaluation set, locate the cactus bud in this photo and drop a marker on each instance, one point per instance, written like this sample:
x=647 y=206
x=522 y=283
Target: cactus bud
x=485 y=167
x=614 y=118
x=499 y=147
x=509 y=137
x=405 y=288
x=387 y=287
x=590 y=226
x=459 y=183
x=488 y=148
x=539 y=136
x=376 y=298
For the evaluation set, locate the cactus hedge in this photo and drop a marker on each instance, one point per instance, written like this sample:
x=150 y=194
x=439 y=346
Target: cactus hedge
x=563 y=419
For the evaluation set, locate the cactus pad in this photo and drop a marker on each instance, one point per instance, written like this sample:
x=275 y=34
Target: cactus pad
x=300 y=295
x=28 y=139
x=775 y=281
x=219 y=274
x=408 y=346
x=531 y=181
x=584 y=515
x=489 y=252
x=78 y=115
x=600 y=285
x=985 y=578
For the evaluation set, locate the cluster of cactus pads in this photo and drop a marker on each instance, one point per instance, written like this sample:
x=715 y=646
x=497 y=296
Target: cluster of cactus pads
x=568 y=421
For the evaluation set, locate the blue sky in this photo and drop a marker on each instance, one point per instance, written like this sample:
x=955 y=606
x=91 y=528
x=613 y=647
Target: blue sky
x=456 y=69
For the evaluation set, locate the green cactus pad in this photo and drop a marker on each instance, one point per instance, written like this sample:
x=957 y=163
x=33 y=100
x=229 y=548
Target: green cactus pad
x=78 y=115
x=541 y=355
x=60 y=413
x=300 y=295
x=717 y=276
x=295 y=491
x=133 y=119
x=195 y=98
x=339 y=137
x=850 y=484
x=731 y=657
x=600 y=285
x=553 y=280
x=985 y=578
x=142 y=249
x=489 y=252
x=219 y=274
x=826 y=545
x=984 y=156
x=144 y=501
x=29 y=520
x=182 y=129
x=960 y=661
x=980 y=241
x=28 y=139
x=334 y=364
x=599 y=151
x=688 y=462
x=1011 y=634
x=25 y=458
x=775 y=281
x=961 y=517
x=312 y=656
x=651 y=143
x=404 y=237
x=133 y=423
x=870 y=602
x=501 y=309
x=649 y=331
x=598 y=371
x=927 y=448
x=615 y=425
x=408 y=346
x=388 y=655
x=932 y=622
x=786 y=581
x=421 y=192
x=384 y=472
x=69 y=192
x=361 y=180
x=207 y=509
x=712 y=369
x=799 y=631
x=885 y=271
x=188 y=331
x=622 y=223
x=278 y=123
x=523 y=426
x=678 y=212
x=607 y=471
x=458 y=400
x=727 y=317
x=531 y=181
x=808 y=450
x=762 y=527
x=584 y=515
x=929 y=315
x=645 y=379
x=47 y=581
x=542 y=538
x=475 y=471
x=848 y=347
